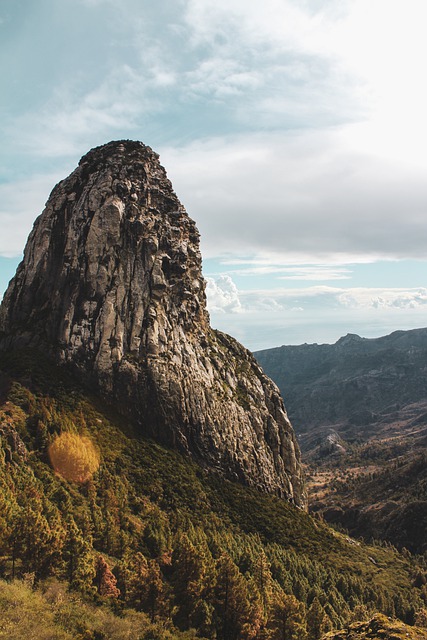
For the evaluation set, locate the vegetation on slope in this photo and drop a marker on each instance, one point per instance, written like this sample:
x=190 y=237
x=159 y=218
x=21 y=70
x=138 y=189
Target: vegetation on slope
x=385 y=501
x=381 y=628
x=360 y=408
x=134 y=526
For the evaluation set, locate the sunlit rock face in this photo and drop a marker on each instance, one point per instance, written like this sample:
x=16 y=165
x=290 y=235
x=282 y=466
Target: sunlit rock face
x=111 y=283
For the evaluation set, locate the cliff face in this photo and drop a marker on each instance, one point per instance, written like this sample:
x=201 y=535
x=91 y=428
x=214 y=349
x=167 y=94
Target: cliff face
x=111 y=283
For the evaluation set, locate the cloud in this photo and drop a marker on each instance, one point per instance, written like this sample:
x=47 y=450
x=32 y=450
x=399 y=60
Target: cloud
x=281 y=272
x=384 y=298
x=222 y=295
x=334 y=297
x=270 y=318
x=307 y=194
x=71 y=119
x=229 y=63
x=267 y=117
x=277 y=55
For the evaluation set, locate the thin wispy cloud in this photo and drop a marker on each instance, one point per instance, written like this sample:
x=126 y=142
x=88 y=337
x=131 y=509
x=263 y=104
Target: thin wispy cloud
x=311 y=272
x=224 y=295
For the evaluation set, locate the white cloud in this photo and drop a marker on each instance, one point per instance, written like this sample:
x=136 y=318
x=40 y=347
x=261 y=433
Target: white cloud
x=302 y=272
x=225 y=297
x=335 y=297
x=222 y=295
x=301 y=197
x=320 y=314
x=383 y=298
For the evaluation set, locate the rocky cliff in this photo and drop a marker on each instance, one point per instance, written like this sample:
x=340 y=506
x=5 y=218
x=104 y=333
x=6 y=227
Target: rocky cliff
x=111 y=285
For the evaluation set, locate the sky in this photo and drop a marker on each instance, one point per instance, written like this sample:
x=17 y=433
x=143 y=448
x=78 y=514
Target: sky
x=294 y=133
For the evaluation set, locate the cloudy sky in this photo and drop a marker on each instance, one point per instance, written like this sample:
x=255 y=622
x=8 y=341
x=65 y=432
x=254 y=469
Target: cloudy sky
x=294 y=132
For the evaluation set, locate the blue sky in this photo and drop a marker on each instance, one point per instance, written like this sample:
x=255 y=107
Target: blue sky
x=293 y=132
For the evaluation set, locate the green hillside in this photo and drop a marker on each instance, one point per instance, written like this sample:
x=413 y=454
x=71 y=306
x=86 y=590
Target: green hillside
x=129 y=531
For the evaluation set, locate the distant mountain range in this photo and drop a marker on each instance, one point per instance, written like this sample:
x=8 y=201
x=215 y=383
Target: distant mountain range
x=359 y=407
x=352 y=385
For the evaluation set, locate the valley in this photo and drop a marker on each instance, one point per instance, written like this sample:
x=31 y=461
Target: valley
x=365 y=453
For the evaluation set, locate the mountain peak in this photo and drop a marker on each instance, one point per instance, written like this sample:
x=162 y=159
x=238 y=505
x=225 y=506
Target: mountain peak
x=349 y=338
x=111 y=284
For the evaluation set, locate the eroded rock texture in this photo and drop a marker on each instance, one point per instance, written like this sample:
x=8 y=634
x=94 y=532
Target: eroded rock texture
x=111 y=283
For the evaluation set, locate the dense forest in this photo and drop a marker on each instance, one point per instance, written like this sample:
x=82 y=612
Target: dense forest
x=104 y=534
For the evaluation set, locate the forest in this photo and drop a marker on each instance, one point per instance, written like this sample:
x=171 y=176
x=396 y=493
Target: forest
x=104 y=534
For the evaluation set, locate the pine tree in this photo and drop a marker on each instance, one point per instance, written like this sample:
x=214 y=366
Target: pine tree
x=36 y=542
x=232 y=605
x=189 y=566
x=78 y=558
x=105 y=580
x=146 y=590
x=288 y=618
x=317 y=620
x=156 y=600
x=264 y=582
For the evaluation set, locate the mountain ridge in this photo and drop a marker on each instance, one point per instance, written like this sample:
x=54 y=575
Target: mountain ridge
x=360 y=408
x=325 y=384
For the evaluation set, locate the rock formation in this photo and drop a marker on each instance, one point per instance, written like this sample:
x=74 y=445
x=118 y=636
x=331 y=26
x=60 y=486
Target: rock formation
x=111 y=284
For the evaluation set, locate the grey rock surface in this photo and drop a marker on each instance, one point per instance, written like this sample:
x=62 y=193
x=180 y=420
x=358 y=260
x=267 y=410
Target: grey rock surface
x=111 y=284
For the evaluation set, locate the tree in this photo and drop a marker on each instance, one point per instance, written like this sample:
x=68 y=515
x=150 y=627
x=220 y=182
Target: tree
x=105 y=579
x=288 y=618
x=35 y=541
x=264 y=581
x=189 y=578
x=232 y=604
x=146 y=590
x=78 y=557
x=317 y=620
x=155 y=592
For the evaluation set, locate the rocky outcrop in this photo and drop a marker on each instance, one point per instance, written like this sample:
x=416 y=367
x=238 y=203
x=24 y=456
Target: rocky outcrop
x=111 y=284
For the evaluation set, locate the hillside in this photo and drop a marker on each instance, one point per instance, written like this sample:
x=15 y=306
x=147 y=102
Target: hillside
x=379 y=627
x=384 y=500
x=360 y=409
x=354 y=385
x=129 y=522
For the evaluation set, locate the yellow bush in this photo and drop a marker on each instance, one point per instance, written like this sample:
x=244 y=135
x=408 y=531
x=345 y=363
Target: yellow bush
x=74 y=457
